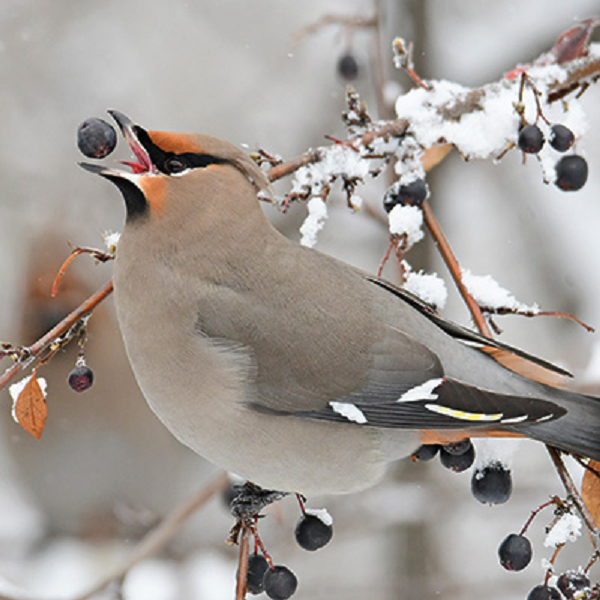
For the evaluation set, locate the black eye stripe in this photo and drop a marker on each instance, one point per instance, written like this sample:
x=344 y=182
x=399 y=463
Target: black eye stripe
x=159 y=157
x=195 y=161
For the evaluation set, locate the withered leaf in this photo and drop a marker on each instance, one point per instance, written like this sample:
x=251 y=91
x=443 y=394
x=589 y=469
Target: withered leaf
x=590 y=490
x=30 y=408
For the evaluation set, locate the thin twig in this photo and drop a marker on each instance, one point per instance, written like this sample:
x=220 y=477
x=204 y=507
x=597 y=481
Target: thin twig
x=242 y=574
x=454 y=268
x=158 y=537
x=63 y=327
x=575 y=497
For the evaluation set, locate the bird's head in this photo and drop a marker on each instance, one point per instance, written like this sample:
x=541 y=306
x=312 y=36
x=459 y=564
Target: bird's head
x=175 y=173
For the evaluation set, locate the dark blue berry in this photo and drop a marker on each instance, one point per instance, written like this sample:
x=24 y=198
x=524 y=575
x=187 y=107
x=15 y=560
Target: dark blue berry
x=96 y=138
x=458 y=462
x=414 y=193
x=561 y=137
x=543 y=592
x=312 y=533
x=458 y=447
x=280 y=583
x=492 y=484
x=425 y=452
x=571 y=582
x=531 y=139
x=81 y=378
x=257 y=567
x=348 y=67
x=515 y=552
x=571 y=173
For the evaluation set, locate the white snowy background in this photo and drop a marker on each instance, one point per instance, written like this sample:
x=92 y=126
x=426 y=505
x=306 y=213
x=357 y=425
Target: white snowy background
x=72 y=504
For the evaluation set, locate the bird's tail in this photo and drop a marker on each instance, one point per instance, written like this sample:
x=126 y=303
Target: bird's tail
x=578 y=431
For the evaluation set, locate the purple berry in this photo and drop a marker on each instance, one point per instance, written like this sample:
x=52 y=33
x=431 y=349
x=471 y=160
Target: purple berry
x=425 y=452
x=81 y=378
x=280 y=583
x=96 y=138
x=457 y=448
x=543 y=592
x=414 y=193
x=515 y=552
x=561 y=138
x=348 y=67
x=531 y=139
x=312 y=533
x=571 y=173
x=257 y=567
x=571 y=582
x=458 y=462
x=492 y=484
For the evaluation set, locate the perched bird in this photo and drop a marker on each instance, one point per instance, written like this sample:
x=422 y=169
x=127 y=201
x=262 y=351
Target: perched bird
x=292 y=369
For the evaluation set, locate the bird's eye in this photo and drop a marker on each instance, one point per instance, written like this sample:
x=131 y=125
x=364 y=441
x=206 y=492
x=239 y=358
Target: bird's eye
x=175 y=165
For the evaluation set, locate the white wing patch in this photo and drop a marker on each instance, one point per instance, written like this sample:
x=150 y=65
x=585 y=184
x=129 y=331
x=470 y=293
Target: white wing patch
x=424 y=391
x=516 y=419
x=461 y=414
x=350 y=411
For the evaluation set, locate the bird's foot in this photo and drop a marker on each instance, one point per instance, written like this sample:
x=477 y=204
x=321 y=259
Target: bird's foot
x=248 y=502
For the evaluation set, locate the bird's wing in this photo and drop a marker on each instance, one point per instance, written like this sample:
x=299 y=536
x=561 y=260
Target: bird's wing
x=498 y=350
x=406 y=388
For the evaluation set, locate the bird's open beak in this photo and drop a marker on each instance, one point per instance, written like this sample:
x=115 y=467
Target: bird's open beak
x=143 y=164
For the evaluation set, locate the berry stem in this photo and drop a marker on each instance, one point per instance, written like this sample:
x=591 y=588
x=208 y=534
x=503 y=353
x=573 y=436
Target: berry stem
x=554 y=500
x=252 y=527
x=591 y=562
x=301 y=503
x=550 y=569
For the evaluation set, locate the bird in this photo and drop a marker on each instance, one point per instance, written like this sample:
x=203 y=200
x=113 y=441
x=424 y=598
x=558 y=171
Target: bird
x=294 y=370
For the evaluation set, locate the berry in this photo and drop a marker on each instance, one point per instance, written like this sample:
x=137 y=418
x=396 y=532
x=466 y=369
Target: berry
x=257 y=567
x=531 y=139
x=312 y=533
x=81 y=378
x=458 y=462
x=561 y=138
x=425 y=452
x=457 y=448
x=492 y=484
x=571 y=173
x=543 y=592
x=571 y=582
x=413 y=193
x=280 y=583
x=348 y=67
x=96 y=138
x=515 y=552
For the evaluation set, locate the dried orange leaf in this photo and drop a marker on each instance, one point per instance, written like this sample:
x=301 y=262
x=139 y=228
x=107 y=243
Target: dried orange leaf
x=590 y=490
x=30 y=409
x=434 y=155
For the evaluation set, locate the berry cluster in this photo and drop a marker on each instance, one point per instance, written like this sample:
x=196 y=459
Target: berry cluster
x=570 y=586
x=490 y=484
x=571 y=171
x=313 y=531
x=515 y=553
x=277 y=581
x=457 y=456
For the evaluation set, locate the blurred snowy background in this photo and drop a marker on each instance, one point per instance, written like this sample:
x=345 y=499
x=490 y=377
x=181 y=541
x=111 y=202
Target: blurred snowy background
x=105 y=470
